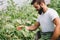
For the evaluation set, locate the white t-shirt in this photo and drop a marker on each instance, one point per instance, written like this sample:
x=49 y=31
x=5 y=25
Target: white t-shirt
x=46 y=20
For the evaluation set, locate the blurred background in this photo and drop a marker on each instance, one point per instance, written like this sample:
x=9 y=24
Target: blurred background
x=20 y=12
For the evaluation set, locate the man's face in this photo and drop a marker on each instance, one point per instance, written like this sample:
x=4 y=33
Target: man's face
x=37 y=6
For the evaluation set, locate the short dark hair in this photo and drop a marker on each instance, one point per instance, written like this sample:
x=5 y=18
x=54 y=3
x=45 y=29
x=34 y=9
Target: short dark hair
x=38 y=1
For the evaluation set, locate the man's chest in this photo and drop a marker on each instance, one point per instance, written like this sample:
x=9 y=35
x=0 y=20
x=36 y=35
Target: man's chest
x=44 y=19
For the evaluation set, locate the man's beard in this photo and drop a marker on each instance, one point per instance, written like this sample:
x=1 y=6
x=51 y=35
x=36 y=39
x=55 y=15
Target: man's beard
x=40 y=11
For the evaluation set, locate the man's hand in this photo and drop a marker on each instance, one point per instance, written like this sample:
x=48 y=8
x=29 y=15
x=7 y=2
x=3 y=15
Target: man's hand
x=20 y=27
x=33 y=27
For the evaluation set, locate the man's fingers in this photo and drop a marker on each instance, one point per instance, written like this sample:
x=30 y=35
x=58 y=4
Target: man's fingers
x=19 y=28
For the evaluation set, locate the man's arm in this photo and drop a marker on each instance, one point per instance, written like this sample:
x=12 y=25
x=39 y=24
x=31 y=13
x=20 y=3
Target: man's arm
x=33 y=27
x=57 y=29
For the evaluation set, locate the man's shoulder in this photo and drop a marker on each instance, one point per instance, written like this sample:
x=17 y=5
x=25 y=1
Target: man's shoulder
x=52 y=10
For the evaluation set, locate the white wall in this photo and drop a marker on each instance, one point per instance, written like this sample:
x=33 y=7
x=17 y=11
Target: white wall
x=19 y=2
x=47 y=1
x=3 y=4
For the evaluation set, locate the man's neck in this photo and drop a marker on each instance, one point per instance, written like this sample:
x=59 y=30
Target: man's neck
x=45 y=9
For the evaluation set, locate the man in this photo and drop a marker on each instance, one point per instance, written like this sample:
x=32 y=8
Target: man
x=48 y=20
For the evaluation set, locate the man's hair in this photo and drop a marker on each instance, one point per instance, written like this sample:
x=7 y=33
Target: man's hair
x=38 y=1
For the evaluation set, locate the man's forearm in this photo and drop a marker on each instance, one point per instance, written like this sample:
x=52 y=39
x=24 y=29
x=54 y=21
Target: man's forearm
x=35 y=26
x=56 y=33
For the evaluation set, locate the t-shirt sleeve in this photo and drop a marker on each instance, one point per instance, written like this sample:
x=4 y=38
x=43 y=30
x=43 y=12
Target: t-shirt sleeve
x=53 y=14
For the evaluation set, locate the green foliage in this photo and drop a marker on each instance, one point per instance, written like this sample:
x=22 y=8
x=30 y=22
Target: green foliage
x=55 y=5
x=15 y=16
